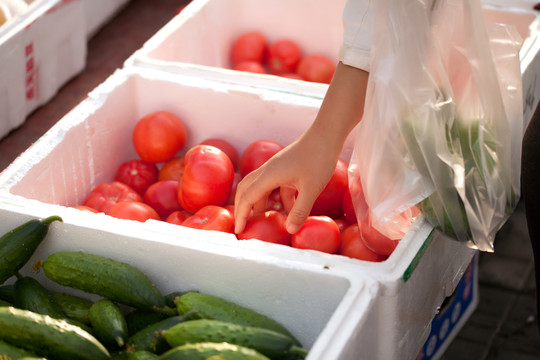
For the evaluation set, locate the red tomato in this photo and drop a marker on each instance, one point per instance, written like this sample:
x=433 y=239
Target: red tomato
x=172 y=169
x=353 y=246
x=316 y=68
x=106 y=195
x=138 y=174
x=162 y=196
x=207 y=180
x=330 y=200
x=224 y=146
x=251 y=66
x=348 y=208
x=237 y=178
x=374 y=240
x=268 y=226
x=256 y=154
x=177 y=217
x=342 y=224
x=274 y=201
x=318 y=233
x=157 y=137
x=283 y=57
x=211 y=217
x=85 y=208
x=250 y=46
x=133 y=210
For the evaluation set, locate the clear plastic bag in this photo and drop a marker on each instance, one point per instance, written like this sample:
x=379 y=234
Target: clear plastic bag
x=443 y=121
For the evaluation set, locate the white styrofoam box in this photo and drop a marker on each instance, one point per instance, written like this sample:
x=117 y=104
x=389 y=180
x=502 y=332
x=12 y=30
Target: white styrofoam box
x=198 y=40
x=98 y=12
x=388 y=319
x=40 y=50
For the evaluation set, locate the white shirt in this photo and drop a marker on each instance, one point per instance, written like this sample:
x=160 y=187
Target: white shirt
x=357 y=22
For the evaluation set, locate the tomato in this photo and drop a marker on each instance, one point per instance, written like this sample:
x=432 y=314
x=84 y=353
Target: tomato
x=172 y=169
x=318 y=233
x=157 y=137
x=342 y=224
x=348 y=208
x=330 y=200
x=374 y=240
x=106 y=195
x=236 y=180
x=133 y=210
x=211 y=217
x=316 y=68
x=85 y=208
x=251 y=66
x=256 y=154
x=268 y=226
x=138 y=174
x=162 y=196
x=249 y=46
x=177 y=217
x=352 y=246
x=274 y=201
x=207 y=180
x=283 y=57
x=224 y=146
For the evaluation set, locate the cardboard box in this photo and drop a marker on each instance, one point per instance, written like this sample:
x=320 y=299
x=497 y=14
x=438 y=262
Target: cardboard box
x=338 y=307
x=40 y=50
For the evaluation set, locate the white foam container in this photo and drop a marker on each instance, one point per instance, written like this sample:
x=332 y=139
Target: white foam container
x=338 y=307
x=40 y=50
x=99 y=12
x=198 y=40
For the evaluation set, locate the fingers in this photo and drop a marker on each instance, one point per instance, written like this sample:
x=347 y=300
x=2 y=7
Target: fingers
x=251 y=194
x=299 y=211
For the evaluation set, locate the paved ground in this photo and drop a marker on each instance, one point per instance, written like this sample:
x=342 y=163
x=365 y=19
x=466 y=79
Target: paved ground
x=504 y=323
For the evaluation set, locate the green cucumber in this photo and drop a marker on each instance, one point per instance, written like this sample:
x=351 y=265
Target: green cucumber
x=7 y=293
x=142 y=355
x=75 y=307
x=109 y=323
x=213 y=307
x=204 y=351
x=114 y=280
x=19 y=244
x=270 y=343
x=151 y=338
x=31 y=295
x=8 y=351
x=48 y=337
x=138 y=319
x=171 y=297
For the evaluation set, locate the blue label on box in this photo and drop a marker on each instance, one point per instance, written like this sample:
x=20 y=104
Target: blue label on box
x=446 y=323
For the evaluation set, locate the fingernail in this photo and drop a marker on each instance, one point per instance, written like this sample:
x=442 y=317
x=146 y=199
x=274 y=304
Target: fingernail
x=292 y=228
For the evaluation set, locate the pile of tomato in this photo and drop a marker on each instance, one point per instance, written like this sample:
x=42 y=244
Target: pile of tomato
x=195 y=187
x=252 y=52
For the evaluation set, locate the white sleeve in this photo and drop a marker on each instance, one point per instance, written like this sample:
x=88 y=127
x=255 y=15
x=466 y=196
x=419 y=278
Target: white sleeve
x=356 y=44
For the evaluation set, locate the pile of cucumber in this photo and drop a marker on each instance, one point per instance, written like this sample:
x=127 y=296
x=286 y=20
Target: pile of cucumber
x=131 y=320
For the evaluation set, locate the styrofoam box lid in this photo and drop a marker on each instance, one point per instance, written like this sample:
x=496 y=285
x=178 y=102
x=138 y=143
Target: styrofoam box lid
x=198 y=40
x=40 y=49
x=400 y=296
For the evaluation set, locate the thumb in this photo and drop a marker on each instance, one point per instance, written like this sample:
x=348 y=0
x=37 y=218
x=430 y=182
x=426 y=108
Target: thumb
x=299 y=212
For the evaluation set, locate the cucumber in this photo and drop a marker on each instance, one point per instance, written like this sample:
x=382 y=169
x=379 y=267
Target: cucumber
x=109 y=323
x=151 y=338
x=215 y=308
x=114 y=280
x=203 y=351
x=142 y=355
x=48 y=337
x=7 y=293
x=171 y=297
x=75 y=307
x=267 y=342
x=138 y=319
x=8 y=351
x=19 y=244
x=31 y=295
